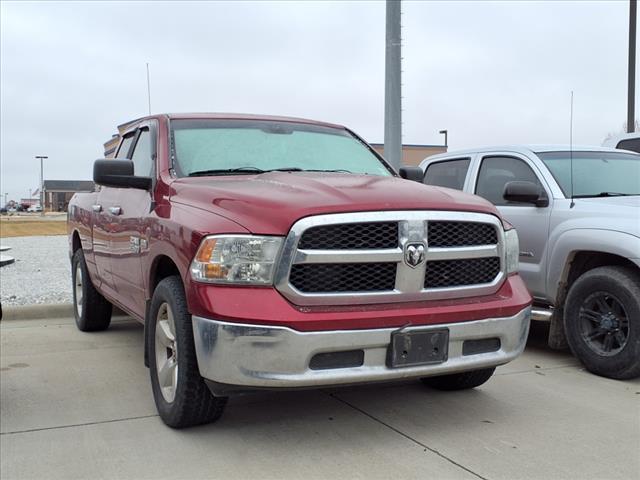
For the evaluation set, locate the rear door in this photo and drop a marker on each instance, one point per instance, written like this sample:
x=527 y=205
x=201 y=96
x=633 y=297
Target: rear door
x=531 y=222
x=131 y=234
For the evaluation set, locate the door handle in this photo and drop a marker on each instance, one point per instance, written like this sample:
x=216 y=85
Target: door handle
x=115 y=210
x=96 y=208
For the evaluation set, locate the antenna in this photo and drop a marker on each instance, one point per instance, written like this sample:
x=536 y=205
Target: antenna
x=572 y=204
x=148 y=89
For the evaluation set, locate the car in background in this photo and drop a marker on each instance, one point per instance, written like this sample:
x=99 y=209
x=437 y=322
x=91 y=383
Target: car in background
x=626 y=141
x=34 y=208
x=577 y=214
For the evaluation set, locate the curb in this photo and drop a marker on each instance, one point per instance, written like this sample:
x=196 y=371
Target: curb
x=45 y=311
x=37 y=312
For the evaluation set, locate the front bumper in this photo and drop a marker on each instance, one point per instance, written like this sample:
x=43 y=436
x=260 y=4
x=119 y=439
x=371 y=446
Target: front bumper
x=241 y=356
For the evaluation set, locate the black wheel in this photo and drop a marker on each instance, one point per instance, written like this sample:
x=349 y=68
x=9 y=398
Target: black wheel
x=602 y=321
x=459 y=381
x=91 y=309
x=182 y=398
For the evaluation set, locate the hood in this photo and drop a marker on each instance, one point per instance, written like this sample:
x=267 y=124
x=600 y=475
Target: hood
x=270 y=203
x=621 y=214
x=632 y=201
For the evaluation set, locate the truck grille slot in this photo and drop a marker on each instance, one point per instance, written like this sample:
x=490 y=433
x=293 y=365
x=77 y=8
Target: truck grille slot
x=461 y=234
x=459 y=273
x=350 y=236
x=343 y=277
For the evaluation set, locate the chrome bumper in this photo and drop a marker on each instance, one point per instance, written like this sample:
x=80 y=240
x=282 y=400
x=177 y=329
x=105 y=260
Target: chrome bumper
x=258 y=356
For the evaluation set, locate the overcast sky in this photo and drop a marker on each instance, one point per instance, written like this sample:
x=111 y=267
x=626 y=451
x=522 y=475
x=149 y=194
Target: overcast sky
x=489 y=72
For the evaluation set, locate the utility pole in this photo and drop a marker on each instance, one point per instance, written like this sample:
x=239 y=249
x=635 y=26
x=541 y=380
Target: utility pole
x=41 y=157
x=392 y=87
x=631 y=90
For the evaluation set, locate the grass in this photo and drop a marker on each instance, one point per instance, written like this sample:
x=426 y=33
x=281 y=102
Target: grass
x=15 y=227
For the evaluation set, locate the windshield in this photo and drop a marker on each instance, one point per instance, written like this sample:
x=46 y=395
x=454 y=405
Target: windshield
x=595 y=174
x=223 y=147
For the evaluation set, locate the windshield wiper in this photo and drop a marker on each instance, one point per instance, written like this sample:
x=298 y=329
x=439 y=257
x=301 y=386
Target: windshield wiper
x=256 y=170
x=227 y=171
x=605 y=194
x=336 y=170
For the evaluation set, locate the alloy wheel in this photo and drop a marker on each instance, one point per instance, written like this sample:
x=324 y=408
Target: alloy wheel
x=166 y=352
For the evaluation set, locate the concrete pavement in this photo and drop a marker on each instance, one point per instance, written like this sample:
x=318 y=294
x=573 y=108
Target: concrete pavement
x=79 y=405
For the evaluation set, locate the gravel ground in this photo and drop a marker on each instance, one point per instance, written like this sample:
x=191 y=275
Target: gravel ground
x=40 y=274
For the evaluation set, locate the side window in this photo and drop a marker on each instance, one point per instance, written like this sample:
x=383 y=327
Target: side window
x=450 y=173
x=125 y=145
x=496 y=172
x=142 y=161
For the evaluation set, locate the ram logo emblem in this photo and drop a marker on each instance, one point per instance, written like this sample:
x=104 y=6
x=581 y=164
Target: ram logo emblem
x=414 y=254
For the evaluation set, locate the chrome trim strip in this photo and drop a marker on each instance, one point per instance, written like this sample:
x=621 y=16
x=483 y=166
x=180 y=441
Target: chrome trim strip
x=462 y=253
x=274 y=357
x=348 y=256
x=413 y=225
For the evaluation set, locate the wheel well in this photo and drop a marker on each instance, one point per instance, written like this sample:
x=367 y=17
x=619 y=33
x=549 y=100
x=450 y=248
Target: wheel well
x=584 y=261
x=163 y=267
x=76 y=244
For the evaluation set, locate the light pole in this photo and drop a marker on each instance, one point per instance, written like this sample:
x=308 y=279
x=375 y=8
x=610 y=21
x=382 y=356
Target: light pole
x=392 y=88
x=41 y=157
x=446 y=134
x=631 y=87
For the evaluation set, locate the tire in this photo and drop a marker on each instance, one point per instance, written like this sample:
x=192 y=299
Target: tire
x=459 y=381
x=182 y=397
x=91 y=310
x=602 y=321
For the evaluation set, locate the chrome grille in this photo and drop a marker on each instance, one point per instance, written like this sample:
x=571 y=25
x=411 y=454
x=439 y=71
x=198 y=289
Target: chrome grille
x=455 y=273
x=391 y=256
x=349 y=236
x=461 y=234
x=343 y=277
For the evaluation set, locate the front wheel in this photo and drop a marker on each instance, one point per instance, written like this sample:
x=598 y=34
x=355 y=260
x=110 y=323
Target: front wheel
x=459 y=381
x=180 y=393
x=602 y=321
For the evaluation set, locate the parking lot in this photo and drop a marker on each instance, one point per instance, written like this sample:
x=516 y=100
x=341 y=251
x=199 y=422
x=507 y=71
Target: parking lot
x=78 y=405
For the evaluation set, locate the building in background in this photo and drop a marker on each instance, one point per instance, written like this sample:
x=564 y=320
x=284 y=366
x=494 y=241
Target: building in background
x=57 y=193
x=413 y=154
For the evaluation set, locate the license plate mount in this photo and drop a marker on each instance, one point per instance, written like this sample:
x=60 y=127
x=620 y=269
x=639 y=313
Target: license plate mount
x=410 y=349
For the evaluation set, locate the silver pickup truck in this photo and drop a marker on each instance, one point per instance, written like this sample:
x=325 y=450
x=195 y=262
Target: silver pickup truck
x=577 y=213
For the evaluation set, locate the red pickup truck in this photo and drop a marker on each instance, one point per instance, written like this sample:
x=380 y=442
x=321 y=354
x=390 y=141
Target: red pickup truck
x=269 y=252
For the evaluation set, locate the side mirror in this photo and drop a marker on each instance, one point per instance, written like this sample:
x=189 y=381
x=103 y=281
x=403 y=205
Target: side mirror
x=412 y=173
x=525 y=192
x=118 y=173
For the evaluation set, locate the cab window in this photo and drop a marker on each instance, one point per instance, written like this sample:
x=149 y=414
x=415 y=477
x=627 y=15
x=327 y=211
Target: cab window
x=125 y=146
x=448 y=173
x=142 y=161
x=496 y=172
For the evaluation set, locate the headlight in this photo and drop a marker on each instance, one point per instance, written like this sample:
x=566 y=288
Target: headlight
x=512 y=248
x=236 y=259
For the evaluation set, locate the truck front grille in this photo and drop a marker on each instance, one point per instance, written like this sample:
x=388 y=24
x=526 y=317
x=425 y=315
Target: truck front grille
x=350 y=236
x=461 y=234
x=391 y=256
x=457 y=273
x=343 y=277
